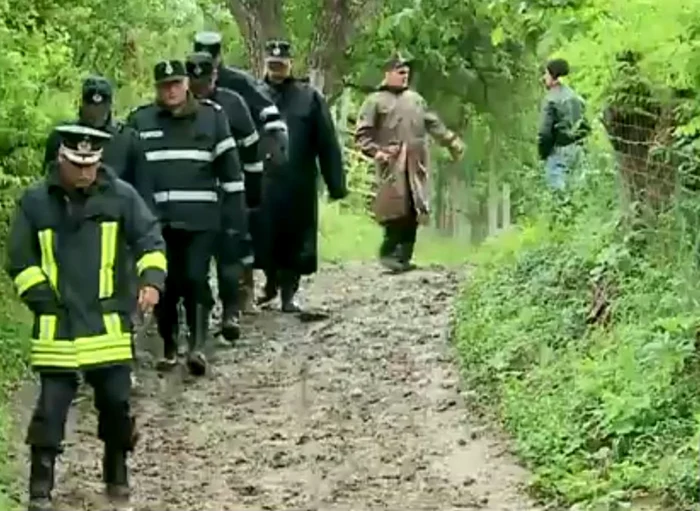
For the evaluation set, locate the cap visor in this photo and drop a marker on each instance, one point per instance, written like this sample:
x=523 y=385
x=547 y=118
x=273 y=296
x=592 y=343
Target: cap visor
x=81 y=159
x=174 y=78
x=281 y=60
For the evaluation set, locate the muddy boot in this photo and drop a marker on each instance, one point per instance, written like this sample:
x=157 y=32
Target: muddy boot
x=289 y=288
x=392 y=264
x=405 y=255
x=230 y=327
x=247 y=293
x=270 y=290
x=41 y=479
x=115 y=476
x=196 y=359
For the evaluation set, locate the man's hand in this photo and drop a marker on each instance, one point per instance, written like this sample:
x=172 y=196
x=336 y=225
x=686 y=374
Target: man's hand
x=457 y=149
x=382 y=157
x=148 y=298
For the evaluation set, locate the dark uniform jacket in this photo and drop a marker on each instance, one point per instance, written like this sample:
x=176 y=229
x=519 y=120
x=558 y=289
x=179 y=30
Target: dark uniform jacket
x=188 y=160
x=266 y=115
x=247 y=139
x=121 y=153
x=563 y=120
x=67 y=254
x=290 y=197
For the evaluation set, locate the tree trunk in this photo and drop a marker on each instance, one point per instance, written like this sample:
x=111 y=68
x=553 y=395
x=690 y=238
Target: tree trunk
x=258 y=21
x=334 y=28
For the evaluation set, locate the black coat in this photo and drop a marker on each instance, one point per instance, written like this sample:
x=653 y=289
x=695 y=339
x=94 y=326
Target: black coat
x=290 y=195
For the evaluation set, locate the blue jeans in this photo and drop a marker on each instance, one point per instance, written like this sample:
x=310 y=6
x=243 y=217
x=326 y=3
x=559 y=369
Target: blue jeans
x=561 y=164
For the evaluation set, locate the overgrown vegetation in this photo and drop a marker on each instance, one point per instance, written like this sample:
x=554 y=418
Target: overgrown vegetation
x=585 y=332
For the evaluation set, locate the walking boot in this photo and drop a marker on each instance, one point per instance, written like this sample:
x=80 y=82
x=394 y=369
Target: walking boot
x=41 y=479
x=405 y=256
x=247 y=293
x=230 y=327
x=115 y=475
x=196 y=359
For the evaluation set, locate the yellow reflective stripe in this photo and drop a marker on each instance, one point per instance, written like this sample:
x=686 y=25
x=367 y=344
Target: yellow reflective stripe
x=155 y=259
x=108 y=251
x=48 y=352
x=92 y=351
x=113 y=324
x=113 y=346
x=48 y=261
x=47 y=327
x=28 y=278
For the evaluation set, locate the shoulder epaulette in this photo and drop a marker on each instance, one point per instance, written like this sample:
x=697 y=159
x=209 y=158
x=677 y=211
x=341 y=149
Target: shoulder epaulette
x=138 y=108
x=209 y=102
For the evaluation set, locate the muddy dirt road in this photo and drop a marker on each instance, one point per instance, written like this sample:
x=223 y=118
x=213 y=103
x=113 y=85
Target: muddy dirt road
x=358 y=412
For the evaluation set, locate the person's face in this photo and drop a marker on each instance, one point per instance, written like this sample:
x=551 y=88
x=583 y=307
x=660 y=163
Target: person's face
x=95 y=114
x=173 y=93
x=201 y=87
x=397 y=77
x=279 y=69
x=77 y=176
x=549 y=82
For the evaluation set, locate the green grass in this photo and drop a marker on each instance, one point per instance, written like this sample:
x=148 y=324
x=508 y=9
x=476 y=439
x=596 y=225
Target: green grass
x=348 y=236
x=603 y=414
x=14 y=351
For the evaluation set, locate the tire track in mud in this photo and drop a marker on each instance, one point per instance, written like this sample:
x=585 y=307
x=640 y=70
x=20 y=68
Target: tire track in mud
x=358 y=412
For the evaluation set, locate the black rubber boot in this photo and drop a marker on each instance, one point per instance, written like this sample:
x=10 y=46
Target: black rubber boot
x=115 y=475
x=406 y=255
x=168 y=330
x=230 y=326
x=41 y=479
x=270 y=290
x=196 y=359
x=289 y=288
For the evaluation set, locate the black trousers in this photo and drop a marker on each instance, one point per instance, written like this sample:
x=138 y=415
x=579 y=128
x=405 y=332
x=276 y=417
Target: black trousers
x=230 y=251
x=399 y=238
x=112 y=390
x=189 y=254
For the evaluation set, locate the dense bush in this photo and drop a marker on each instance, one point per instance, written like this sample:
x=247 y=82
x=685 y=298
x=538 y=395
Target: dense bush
x=585 y=332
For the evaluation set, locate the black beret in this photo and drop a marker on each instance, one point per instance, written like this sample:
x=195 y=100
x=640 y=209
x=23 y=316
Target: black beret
x=97 y=90
x=278 y=50
x=209 y=42
x=199 y=64
x=169 y=71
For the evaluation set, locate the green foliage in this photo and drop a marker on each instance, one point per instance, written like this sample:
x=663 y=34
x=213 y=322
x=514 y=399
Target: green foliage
x=585 y=334
x=48 y=49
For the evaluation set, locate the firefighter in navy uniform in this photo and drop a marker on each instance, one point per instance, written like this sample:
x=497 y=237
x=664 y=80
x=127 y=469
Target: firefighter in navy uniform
x=67 y=255
x=290 y=195
x=270 y=126
x=192 y=178
x=121 y=153
x=202 y=75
